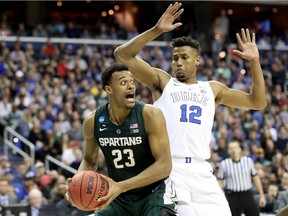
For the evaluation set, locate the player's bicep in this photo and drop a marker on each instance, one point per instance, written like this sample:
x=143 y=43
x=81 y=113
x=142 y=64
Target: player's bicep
x=231 y=97
x=157 y=133
x=91 y=147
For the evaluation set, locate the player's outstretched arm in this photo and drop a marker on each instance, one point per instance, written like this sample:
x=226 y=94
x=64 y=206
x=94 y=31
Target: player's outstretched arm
x=127 y=52
x=256 y=99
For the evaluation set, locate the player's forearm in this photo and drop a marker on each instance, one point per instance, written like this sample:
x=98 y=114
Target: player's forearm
x=130 y=49
x=86 y=164
x=154 y=173
x=258 y=85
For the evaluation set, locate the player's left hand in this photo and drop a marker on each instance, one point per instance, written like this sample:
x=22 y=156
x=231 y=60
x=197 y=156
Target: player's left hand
x=68 y=180
x=166 y=22
x=248 y=45
x=113 y=192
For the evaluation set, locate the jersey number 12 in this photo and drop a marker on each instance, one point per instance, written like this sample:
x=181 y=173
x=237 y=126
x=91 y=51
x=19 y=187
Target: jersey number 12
x=195 y=112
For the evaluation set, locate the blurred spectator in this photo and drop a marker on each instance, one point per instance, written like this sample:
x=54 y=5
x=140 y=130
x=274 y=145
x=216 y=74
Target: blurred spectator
x=282 y=140
x=39 y=31
x=75 y=132
x=14 y=117
x=5 y=198
x=91 y=107
x=21 y=31
x=271 y=196
x=18 y=186
x=25 y=125
x=38 y=137
x=64 y=124
x=36 y=201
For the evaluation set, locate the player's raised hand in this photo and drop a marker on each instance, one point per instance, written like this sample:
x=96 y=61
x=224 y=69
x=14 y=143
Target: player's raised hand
x=248 y=45
x=165 y=23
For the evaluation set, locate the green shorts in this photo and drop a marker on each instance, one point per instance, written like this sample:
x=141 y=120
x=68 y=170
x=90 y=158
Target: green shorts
x=157 y=203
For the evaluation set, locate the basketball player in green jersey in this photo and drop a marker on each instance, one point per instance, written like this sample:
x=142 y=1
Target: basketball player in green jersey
x=134 y=141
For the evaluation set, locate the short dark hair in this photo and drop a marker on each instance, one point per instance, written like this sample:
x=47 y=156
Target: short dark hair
x=186 y=41
x=107 y=73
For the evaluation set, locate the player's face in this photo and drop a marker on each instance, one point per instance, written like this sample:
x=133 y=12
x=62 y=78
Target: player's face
x=184 y=64
x=123 y=89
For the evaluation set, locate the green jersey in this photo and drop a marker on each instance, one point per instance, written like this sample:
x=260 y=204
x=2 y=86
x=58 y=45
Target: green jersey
x=126 y=146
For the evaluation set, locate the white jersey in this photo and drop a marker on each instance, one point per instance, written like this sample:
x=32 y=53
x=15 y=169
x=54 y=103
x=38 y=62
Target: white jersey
x=189 y=112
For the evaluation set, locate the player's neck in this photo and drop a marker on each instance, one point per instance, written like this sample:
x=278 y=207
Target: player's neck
x=117 y=116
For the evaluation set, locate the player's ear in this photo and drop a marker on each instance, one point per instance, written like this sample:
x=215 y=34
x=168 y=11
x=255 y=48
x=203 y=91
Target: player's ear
x=108 y=89
x=197 y=59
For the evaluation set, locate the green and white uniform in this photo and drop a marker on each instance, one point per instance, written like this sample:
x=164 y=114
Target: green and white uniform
x=127 y=153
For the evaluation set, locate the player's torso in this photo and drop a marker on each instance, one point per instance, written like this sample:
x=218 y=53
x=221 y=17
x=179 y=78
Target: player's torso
x=125 y=147
x=189 y=112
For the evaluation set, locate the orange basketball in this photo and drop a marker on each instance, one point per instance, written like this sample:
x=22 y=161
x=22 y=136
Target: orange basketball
x=85 y=188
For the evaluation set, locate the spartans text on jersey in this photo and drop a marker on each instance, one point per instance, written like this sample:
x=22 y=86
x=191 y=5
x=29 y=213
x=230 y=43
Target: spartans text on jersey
x=120 y=141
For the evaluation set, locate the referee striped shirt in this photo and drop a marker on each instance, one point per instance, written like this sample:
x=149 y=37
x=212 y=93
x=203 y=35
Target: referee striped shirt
x=237 y=174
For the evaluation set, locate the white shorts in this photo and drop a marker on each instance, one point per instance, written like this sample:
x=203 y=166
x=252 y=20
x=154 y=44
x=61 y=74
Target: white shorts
x=196 y=186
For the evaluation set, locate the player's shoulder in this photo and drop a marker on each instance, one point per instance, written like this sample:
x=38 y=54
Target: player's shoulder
x=89 y=119
x=216 y=85
x=151 y=112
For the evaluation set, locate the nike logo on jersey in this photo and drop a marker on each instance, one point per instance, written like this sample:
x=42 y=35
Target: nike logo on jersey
x=102 y=129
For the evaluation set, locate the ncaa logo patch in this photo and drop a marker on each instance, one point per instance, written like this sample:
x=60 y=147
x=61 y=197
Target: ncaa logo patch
x=101 y=119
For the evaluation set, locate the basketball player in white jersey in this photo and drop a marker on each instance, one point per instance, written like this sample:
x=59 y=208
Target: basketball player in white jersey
x=189 y=107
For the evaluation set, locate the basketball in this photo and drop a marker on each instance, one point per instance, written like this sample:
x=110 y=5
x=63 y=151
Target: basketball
x=85 y=188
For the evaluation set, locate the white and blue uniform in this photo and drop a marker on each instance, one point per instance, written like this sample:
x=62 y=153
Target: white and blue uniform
x=189 y=112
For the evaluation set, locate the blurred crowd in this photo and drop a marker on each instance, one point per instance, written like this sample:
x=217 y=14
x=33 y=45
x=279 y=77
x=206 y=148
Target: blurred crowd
x=46 y=92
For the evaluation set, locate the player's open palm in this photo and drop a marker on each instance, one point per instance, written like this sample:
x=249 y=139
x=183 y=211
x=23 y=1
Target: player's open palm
x=165 y=23
x=113 y=192
x=248 y=45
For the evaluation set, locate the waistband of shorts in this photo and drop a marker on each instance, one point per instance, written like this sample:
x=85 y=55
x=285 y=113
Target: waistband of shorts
x=188 y=159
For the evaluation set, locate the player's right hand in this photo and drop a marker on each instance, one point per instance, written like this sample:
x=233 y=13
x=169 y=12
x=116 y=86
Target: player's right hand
x=113 y=192
x=165 y=23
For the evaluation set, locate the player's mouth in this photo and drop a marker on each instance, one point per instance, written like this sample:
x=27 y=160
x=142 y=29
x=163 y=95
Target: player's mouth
x=130 y=97
x=179 y=70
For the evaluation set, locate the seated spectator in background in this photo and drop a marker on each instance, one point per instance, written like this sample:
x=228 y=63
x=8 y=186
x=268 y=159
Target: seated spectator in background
x=64 y=124
x=92 y=105
x=60 y=190
x=46 y=123
x=21 y=31
x=78 y=157
x=14 y=117
x=39 y=31
x=5 y=198
x=271 y=196
x=75 y=133
x=25 y=125
x=18 y=187
x=282 y=199
x=38 y=137
x=282 y=141
x=43 y=179
x=36 y=201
